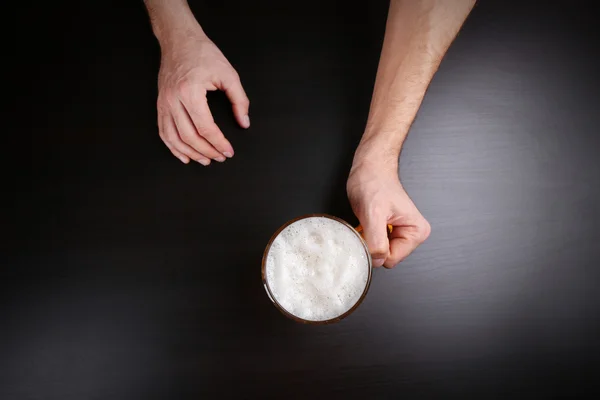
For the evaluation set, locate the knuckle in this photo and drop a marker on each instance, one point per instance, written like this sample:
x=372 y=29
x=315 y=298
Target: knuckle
x=172 y=139
x=379 y=250
x=185 y=136
x=161 y=105
x=209 y=132
x=234 y=75
x=244 y=102
x=170 y=99
x=424 y=231
x=177 y=148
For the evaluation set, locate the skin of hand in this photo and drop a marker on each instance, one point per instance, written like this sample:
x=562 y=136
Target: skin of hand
x=191 y=65
x=418 y=34
x=378 y=199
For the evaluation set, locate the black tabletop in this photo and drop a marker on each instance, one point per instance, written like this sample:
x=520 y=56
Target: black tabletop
x=128 y=275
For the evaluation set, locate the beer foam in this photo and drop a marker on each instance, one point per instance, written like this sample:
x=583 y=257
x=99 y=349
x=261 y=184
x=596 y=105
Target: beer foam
x=317 y=268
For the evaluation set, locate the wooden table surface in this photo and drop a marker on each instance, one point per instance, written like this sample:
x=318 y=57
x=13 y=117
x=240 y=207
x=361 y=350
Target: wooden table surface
x=127 y=275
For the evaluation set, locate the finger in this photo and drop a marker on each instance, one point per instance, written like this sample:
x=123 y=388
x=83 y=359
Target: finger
x=239 y=100
x=376 y=236
x=184 y=159
x=171 y=138
x=161 y=132
x=400 y=248
x=202 y=119
x=189 y=134
x=404 y=240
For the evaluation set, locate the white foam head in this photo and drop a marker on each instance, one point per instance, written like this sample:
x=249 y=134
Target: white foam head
x=317 y=268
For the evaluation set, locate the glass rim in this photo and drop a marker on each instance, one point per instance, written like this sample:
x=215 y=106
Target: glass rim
x=308 y=321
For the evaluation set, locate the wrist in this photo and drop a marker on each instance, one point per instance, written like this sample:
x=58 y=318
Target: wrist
x=378 y=163
x=171 y=36
x=379 y=152
x=173 y=22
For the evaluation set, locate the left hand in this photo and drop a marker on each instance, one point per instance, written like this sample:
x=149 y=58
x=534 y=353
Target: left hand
x=191 y=66
x=378 y=199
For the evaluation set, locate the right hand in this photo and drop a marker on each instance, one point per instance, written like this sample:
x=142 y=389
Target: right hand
x=378 y=200
x=189 y=68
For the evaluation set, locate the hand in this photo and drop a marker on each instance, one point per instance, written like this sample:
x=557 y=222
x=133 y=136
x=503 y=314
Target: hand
x=191 y=66
x=378 y=199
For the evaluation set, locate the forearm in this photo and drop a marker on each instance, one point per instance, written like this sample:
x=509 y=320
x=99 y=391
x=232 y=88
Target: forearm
x=171 y=19
x=418 y=33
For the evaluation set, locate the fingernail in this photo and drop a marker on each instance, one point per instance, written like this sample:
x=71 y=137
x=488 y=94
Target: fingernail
x=219 y=159
x=183 y=160
x=378 y=262
x=227 y=154
x=246 y=121
x=204 y=162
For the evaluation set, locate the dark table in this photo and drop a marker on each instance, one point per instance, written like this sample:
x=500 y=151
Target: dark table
x=127 y=275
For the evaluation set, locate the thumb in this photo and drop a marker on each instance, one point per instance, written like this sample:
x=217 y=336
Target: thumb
x=376 y=235
x=239 y=101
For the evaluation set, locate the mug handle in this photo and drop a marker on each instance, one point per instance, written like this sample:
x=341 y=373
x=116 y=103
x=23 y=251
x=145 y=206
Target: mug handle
x=360 y=229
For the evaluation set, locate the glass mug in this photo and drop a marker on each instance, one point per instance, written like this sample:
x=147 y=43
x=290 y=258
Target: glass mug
x=358 y=231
